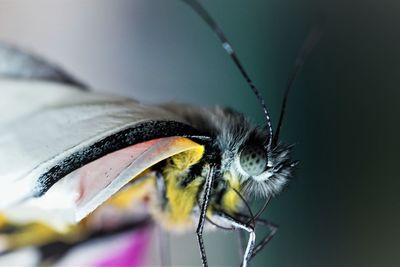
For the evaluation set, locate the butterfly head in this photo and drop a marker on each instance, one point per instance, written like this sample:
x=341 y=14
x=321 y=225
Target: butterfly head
x=262 y=172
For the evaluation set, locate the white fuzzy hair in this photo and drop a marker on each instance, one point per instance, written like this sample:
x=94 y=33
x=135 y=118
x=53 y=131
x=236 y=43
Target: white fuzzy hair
x=232 y=131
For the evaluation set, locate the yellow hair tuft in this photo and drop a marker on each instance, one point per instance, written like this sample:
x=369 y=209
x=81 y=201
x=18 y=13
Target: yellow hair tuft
x=181 y=200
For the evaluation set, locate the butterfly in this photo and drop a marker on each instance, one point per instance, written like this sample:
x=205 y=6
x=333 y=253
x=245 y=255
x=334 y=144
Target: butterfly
x=75 y=162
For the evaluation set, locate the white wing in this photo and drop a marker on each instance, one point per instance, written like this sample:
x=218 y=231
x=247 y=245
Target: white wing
x=46 y=126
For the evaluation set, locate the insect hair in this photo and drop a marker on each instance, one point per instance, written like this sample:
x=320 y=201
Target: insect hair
x=230 y=129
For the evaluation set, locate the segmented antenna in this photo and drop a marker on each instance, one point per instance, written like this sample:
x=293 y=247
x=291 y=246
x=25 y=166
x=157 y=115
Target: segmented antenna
x=309 y=43
x=199 y=9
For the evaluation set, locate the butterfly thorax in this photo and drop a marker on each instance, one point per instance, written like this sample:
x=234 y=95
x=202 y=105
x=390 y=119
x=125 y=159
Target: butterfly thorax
x=181 y=188
x=236 y=148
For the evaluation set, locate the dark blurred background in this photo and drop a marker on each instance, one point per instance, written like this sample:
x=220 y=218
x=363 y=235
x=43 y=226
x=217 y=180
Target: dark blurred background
x=342 y=208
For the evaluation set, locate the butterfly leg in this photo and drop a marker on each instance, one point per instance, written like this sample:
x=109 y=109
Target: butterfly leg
x=273 y=228
x=248 y=228
x=272 y=231
x=203 y=211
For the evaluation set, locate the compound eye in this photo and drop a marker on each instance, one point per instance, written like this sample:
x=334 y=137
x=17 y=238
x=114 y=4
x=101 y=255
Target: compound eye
x=253 y=160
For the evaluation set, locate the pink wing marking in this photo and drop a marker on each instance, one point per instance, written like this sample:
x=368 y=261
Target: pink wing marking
x=100 y=173
x=100 y=179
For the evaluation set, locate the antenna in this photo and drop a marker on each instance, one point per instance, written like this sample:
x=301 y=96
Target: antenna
x=308 y=45
x=199 y=9
x=310 y=42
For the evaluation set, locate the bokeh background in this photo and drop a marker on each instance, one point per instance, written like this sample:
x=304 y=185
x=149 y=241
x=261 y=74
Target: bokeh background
x=342 y=208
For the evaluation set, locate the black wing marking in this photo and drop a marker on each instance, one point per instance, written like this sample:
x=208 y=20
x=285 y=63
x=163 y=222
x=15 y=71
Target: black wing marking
x=18 y=64
x=141 y=132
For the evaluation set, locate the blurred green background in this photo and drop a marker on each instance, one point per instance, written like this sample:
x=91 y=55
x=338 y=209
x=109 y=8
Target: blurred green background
x=342 y=208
